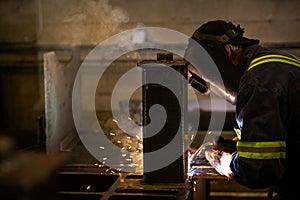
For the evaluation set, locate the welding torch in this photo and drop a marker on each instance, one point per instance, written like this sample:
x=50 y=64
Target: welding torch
x=198 y=83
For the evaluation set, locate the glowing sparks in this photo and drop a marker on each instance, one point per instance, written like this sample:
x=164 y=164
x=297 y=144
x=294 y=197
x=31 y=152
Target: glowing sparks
x=192 y=137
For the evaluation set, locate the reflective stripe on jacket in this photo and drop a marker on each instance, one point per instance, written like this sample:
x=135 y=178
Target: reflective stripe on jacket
x=268 y=115
x=269 y=149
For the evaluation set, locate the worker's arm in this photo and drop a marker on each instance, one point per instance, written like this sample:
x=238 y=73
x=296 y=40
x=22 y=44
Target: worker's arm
x=258 y=117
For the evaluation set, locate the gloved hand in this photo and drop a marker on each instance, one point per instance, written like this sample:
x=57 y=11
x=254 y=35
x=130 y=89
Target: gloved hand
x=213 y=156
x=224 y=165
x=224 y=145
x=219 y=161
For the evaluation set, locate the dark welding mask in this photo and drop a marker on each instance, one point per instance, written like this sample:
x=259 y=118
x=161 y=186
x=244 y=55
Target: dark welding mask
x=205 y=51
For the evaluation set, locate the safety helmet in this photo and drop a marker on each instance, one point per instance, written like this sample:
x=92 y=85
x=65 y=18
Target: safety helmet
x=224 y=32
x=212 y=36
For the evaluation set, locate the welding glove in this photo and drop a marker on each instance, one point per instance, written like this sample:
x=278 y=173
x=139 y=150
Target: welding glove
x=224 y=166
x=221 y=162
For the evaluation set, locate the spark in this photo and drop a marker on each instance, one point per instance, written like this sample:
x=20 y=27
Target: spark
x=192 y=137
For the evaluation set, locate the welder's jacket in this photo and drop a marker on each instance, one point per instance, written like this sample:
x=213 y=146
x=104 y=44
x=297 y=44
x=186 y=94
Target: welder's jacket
x=268 y=115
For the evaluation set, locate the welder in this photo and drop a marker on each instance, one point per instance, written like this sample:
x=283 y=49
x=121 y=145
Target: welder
x=265 y=89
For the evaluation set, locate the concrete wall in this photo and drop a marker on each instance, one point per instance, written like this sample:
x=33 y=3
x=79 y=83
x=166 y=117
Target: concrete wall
x=88 y=22
x=29 y=28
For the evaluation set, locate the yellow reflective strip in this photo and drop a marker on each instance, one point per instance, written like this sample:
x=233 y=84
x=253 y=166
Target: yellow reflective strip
x=262 y=155
x=237 y=132
x=261 y=150
x=294 y=56
x=295 y=59
x=261 y=144
x=273 y=60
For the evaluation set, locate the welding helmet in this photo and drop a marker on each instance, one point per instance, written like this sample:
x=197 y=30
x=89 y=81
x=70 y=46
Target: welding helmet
x=213 y=36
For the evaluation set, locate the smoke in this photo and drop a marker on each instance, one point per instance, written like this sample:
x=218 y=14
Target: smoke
x=83 y=22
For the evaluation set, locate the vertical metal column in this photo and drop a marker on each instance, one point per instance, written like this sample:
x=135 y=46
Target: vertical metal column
x=175 y=106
